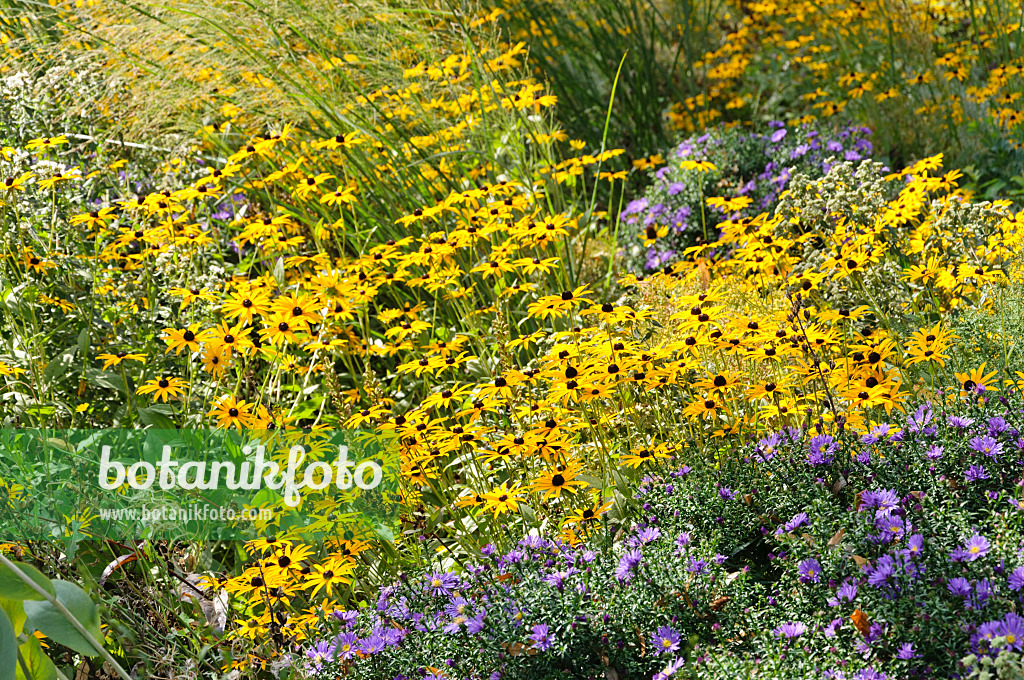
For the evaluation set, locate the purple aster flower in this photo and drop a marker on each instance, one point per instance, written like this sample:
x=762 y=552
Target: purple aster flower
x=960 y=422
x=441 y=583
x=915 y=544
x=372 y=645
x=877 y=432
x=810 y=571
x=696 y=566
x=934 y=452
x=648 y=535
x=986 y=631
x=670 y=669
x=890 y=528
x=997 y=425
x=534 y=542
x=959 y=586
x=884 y=569
x=830 y=629
x=778 y=135
x=558 y=578
x=455 y=625
x=822 y=450
x=1016 y=579
x=976 y=473
x=476 y=624
x=768 y=445
x=1012 y=628
x=986 y=445
x=847 y=592
x=976 y=547
x=907 y=652
x=320 y=652
x=665 y=640
x=346 y=645
x=920 y=418
x=790 y=629
x=870 y=673
x=347 y=617
x=726 y=493
x=885 y=501
x=798 y=520
x=627 y=563
x=542 y=639
x=982 y=592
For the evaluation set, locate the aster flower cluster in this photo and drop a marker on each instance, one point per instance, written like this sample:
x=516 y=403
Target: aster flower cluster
x=827 y=552
x=541 y=606
x=755 y=167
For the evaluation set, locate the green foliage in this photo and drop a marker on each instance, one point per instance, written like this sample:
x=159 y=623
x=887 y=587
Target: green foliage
x=58 y=609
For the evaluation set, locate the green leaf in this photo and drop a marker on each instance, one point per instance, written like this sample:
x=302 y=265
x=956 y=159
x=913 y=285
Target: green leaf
x=156 y=416
x=14 y=588
x=61 y=364
x=15 y=613
x=39 y=665
x=45 y=618
x=8 y=648
x=83 y=341
x=110 y=381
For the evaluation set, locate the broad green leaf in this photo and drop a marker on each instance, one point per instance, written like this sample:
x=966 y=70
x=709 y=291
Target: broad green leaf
x=15 y=613
x=106 y=379
x=39 y=665
x=156 y=417
x=83 y=341
x=60 y=364
x=8 y=648
x=13 y=588
x=45 y=618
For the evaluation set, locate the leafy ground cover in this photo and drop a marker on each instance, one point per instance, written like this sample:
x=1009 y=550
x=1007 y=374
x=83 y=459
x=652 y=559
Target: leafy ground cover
x=696 y=335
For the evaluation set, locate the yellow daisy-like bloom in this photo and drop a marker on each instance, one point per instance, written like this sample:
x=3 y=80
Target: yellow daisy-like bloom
x=505 y=498
x=230 y=412
x=110 y=360
x=554 y=482
x=187 y=338
x=45 y=142
x=16 y=183
x=163 y=388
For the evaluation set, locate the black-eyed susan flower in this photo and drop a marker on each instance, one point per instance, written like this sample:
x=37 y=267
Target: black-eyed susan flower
x=111 y=360
x=164 y=388
x=232 y=412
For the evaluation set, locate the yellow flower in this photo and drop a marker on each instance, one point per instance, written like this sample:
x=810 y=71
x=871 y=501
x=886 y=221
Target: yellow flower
x=163 y=388
x=230 y=412
x=554 y=482
x=116 y=359
x=505 y=498
x=46 y=142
